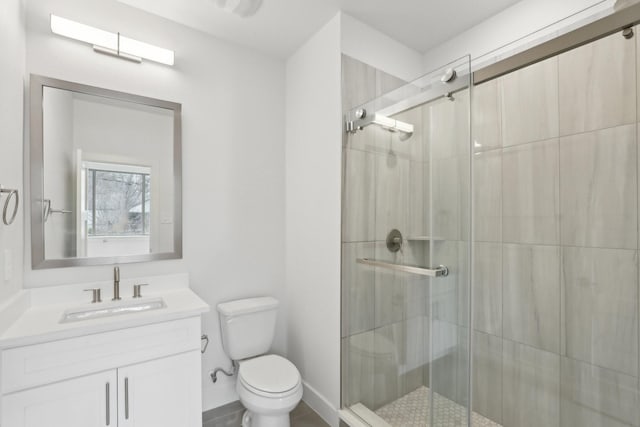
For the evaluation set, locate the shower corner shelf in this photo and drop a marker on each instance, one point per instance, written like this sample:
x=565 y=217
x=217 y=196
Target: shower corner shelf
x=426 y=239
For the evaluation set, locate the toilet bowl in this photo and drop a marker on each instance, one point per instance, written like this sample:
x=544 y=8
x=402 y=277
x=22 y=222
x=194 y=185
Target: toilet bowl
x=268 y=385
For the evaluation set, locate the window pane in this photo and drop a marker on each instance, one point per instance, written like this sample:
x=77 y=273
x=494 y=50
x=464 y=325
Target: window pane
x=118 y=203
x=147 y=204
x=89 y=199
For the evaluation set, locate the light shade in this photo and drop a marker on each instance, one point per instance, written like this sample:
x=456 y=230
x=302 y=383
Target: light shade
x=84 y=33
x=111 y=43
x=146 y=51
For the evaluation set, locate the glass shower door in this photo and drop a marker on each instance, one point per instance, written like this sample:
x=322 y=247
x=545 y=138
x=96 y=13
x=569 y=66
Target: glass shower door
x=448 y=231
x=406 y=248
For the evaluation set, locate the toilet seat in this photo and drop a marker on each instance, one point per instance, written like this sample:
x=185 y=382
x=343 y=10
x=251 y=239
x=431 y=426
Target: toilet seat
x=269 y=376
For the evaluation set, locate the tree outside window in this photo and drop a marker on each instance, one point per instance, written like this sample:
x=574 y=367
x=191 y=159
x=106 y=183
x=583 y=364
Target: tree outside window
x=118 y=203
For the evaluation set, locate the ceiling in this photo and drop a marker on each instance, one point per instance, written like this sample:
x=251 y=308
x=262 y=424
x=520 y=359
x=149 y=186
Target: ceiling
x=281 y=26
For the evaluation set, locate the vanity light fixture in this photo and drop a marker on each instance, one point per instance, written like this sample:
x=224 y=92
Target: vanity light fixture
x=111 y=43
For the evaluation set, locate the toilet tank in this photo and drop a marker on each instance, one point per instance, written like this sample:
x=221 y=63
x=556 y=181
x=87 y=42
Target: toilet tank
x=247 y=326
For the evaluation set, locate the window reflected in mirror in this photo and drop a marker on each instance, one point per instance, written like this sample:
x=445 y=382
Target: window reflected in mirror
x=117 y=209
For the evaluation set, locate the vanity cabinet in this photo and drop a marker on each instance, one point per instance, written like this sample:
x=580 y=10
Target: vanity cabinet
x=164 y=392
x=80 y=402
x=147 y=376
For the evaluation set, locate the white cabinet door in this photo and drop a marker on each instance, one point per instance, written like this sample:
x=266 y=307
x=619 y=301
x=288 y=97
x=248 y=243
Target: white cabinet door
x=161 y=393
x=88 y=401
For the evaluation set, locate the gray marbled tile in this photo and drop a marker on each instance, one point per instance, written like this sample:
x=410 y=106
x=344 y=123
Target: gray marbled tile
x=446 y=193
x=358 y=196
x=392 y=192
x=358 y=369
x=390 y=288
x=358 y=288
x=416 y=287
x=598 y=85
x=598 y=191
x=636 y=29
x=531 y=295
x=530 y=387
x=447 y=130
x=419 y=194
x=399 y=295
x=487 y=376
x=530 y=205
x=487 y=197
x=597 y=397
x=415 y=359
x=386 y=82
x=529 y=103
x=358 y=83
x=389 y=351
x=464 y=271
x=600 y=308
x=486 y=116
x=446 y=291
x=487 y=292
x=450 y=359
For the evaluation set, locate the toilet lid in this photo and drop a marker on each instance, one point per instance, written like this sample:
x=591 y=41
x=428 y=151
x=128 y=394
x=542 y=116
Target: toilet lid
x=271 y=374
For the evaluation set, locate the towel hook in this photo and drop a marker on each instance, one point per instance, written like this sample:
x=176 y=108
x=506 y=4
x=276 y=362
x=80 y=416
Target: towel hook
x=5 y=210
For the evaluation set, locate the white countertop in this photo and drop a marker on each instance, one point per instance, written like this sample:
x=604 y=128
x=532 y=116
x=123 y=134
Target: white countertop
x=33 y=316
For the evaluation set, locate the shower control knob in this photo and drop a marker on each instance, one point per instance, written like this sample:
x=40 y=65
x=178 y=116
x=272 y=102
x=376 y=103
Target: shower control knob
x=361 y=113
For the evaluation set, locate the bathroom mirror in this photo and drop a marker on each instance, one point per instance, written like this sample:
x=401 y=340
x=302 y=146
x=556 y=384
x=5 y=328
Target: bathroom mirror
x=105 y=175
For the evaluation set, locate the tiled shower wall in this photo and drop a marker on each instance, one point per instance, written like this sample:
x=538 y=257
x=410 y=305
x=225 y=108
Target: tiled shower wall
x=378 y=363
x=555 y=274
x=386 y=185
x=555 y=296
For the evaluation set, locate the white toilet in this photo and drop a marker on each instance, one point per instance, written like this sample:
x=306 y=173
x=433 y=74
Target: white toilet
x=269 y=385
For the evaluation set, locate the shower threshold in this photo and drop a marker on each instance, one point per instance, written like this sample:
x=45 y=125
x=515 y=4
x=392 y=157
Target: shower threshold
x=414 y=410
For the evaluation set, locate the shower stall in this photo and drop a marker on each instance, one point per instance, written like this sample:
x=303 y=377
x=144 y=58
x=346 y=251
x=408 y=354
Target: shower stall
x=490 y=243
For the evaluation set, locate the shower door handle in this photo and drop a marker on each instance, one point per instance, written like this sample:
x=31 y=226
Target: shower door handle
x=440 y=271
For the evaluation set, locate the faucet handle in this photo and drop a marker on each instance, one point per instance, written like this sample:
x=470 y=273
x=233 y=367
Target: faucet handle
x=96 y=295
x=137 y=288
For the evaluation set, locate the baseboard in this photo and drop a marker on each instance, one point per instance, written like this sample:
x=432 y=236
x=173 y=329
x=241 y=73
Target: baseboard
x=320 y=404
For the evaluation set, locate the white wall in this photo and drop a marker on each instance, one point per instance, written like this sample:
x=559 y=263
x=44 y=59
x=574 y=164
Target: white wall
x=12 y=64
x=233 y=153
x=368 y=45
x=313 y=194
x=516 y=26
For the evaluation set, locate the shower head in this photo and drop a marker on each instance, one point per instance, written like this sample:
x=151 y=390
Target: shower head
x=392 y=125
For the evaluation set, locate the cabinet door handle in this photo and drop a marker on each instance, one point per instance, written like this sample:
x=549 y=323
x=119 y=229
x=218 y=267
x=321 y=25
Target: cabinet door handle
x=108 y=400
x=126 y=398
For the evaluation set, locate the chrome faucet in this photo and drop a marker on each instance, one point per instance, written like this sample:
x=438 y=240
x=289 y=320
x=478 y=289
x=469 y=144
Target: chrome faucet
x=116 y=284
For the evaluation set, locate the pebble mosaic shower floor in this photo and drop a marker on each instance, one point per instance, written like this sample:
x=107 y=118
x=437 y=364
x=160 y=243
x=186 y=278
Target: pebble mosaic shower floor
x=413 y=410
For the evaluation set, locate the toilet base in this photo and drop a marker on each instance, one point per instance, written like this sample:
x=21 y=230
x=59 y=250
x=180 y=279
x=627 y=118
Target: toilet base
x=251 y=419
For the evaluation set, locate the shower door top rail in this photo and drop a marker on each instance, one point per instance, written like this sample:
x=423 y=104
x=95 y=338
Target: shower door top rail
x=440 y=271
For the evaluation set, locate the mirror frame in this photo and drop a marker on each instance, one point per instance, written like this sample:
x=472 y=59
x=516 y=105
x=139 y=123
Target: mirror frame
x=36 y=173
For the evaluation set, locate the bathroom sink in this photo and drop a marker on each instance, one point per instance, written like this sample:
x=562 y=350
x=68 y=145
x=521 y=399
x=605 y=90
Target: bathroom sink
x=111 y=309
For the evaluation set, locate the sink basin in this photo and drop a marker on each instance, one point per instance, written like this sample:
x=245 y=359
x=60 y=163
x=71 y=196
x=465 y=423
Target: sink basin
x=110 y=309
